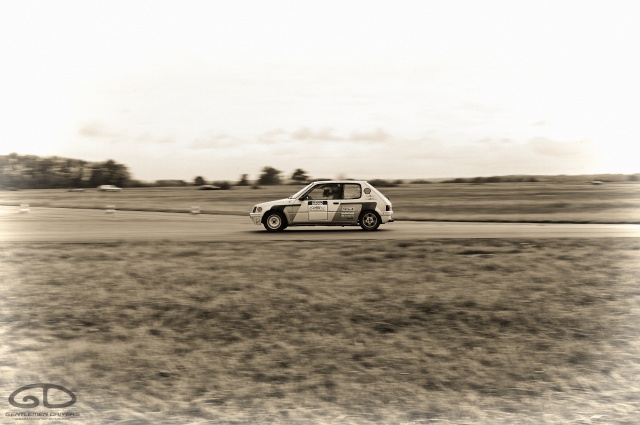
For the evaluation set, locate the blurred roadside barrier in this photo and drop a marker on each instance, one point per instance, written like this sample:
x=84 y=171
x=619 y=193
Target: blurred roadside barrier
x=195 y=210
x=24 y=208
x=110 y=209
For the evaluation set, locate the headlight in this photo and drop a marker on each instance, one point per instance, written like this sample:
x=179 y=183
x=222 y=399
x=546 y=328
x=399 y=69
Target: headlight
x=259 y=209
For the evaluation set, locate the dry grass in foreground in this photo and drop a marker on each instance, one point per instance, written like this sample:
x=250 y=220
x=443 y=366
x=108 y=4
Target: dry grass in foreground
x=451 y=331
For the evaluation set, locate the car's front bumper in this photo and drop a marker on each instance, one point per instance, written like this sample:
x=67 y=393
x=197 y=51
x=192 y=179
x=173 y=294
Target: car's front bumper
x=256 y=218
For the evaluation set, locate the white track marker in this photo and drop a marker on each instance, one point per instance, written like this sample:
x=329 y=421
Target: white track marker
x=195 y=210
x=24 y=208
x=111 y=209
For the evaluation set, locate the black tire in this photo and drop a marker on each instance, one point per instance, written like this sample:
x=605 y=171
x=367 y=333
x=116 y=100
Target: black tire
x=369 y=220
x=274 y=221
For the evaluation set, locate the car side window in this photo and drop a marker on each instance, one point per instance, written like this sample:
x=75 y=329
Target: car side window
x=325 y=191
x=352 y=191
x=316 y=194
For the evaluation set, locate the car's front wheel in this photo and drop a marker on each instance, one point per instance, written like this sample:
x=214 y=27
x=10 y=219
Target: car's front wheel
x=274 y=221
x=369 y=220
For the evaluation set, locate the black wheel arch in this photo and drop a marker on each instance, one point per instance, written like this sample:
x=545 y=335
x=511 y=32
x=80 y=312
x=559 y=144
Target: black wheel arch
x=277 y=209
x=280 y=213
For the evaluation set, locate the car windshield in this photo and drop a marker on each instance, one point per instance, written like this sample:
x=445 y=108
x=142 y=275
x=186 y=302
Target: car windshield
x=301 y=191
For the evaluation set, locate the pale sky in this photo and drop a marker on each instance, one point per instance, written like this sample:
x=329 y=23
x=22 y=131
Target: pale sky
x=360 y=89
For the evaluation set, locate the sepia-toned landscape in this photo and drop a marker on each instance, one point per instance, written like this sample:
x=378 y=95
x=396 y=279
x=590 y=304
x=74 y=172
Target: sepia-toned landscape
x=152 y=271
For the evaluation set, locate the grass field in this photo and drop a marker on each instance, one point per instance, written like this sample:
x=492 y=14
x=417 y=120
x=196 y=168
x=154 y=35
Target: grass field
x=439 y=331
x=514 y=202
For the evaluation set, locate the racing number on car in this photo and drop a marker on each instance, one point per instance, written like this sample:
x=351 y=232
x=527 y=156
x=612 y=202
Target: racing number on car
x=317 y=205
x=318 y=210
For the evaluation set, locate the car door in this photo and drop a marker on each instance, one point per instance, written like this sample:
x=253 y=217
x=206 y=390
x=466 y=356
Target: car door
x=318 y=210
x=314 y=207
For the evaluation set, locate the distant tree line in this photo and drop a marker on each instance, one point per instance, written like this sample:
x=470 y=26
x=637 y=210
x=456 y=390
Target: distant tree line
x=269 y=176
x=494 y=179
x=34 y=172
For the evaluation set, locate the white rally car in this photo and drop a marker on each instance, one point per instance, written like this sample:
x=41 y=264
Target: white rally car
x=327 y=203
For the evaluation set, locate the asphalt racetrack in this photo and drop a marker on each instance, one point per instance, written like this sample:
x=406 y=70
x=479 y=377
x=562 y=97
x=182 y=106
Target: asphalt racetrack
x=87 y=225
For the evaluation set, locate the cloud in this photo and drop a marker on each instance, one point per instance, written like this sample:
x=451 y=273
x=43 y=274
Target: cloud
x=487 y=156
x=273 y=137
x=215 y=142
x=326 y=134
x=492 y=144
x=96 y=129
x=556 y=148
x=377 y=136
x=150 y=138
x=305 y=134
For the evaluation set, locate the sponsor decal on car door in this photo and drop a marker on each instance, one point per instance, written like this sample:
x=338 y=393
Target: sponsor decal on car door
x=318 y=210
x=347 y=213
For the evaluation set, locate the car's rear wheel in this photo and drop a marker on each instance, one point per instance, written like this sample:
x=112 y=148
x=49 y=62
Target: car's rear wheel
x=369 y=220
x=274 y=221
